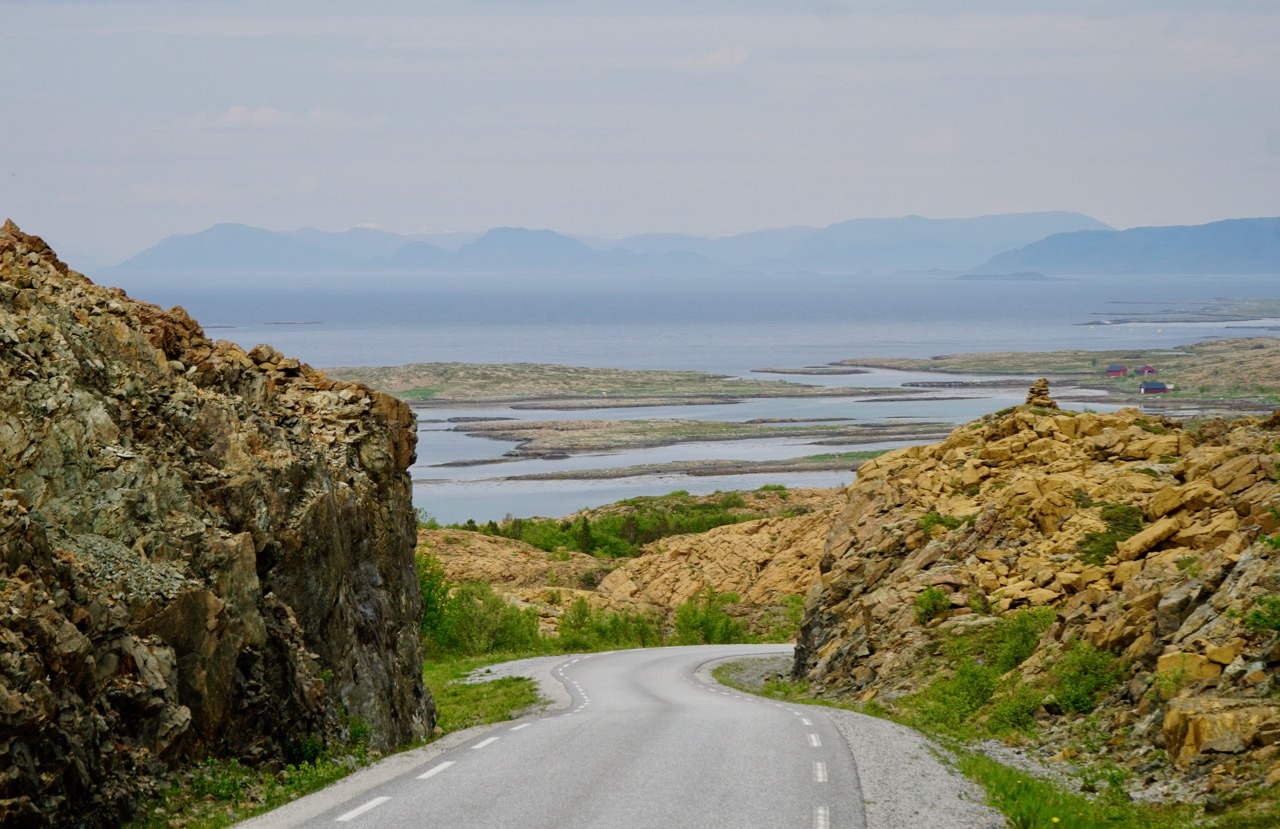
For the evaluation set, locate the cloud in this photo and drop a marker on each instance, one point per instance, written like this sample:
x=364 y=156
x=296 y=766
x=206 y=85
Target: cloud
x=239 y=116
x=724 y=57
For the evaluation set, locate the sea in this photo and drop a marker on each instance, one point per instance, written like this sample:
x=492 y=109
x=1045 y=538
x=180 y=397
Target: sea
x=733 y=324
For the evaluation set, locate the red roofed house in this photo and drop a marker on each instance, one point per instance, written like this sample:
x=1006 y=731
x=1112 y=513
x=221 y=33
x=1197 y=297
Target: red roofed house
x=1147 y=371
x=1117 y=371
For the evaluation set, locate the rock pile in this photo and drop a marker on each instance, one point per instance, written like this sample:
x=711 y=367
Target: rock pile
x=1038 y=395
x=999 y=517
x=203 y=551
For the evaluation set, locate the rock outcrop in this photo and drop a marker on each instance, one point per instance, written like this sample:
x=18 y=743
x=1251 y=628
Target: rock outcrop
x=1011 y=512
x=764 y=561
x=203 y=551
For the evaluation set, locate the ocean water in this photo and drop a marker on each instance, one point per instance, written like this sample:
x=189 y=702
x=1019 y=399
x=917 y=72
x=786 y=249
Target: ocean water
x=726 y=323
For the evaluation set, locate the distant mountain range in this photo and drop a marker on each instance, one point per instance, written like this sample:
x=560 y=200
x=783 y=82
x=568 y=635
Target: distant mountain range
x=1236 y=246
x=908 y=243
x=1048 y=242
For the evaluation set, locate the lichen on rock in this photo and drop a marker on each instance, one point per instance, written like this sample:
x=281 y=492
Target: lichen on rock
x=203 y=551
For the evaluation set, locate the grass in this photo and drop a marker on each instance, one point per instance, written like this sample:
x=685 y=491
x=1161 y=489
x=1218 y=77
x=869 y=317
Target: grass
x=1123 y=522
x=1031 y=802
x=465 y=704
x=220 y=792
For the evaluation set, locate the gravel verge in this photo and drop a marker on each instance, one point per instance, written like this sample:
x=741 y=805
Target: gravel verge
x=907 y=780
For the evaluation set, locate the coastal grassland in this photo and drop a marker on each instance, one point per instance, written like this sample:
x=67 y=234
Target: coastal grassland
x=560 y=437
x=1234 y=368
x=825 y=462
x=505 y=382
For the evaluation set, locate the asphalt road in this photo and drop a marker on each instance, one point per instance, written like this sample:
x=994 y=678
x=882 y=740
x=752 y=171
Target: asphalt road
x=647 y=741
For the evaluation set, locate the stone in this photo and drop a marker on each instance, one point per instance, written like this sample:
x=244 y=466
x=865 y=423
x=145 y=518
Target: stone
x=1148 y=537
x=195 y=544
x=1038 y=395
x=1193 y=667
x=1195 y=727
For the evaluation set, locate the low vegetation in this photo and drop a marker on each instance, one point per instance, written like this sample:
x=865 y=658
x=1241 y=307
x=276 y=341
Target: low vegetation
x=952 y=710
x=1123 y=522
x=628 y=525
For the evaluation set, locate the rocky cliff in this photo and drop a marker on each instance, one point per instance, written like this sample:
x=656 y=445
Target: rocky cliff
x=1152 y=542
x=202 y=550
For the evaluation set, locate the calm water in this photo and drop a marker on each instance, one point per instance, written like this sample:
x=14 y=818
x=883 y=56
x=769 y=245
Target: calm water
x=724 y=323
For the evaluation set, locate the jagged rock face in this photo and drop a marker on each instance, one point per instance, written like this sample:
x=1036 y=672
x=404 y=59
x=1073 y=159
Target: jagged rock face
x=202 y=550
x=1031 y=484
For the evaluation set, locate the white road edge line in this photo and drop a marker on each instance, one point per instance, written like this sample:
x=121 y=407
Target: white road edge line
x=355 y=813
x=522 y=725
x=484 y=743
x=813 y=741
x=432 y=772
x=819 y=771
x=821 y=817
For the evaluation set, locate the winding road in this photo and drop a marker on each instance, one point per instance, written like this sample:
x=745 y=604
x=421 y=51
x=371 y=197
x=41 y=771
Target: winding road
x=647 y=739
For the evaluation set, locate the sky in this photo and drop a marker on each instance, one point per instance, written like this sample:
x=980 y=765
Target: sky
x=126 y=122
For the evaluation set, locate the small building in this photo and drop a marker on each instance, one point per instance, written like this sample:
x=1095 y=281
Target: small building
x=1147 y=371
x=1117 y=371
x=1154 y=387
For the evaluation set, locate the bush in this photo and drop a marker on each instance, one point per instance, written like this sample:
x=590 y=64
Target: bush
x=1015 y=711
x=1083 y=676
x=702 y=621
x=1018 y=636
x=949 y=703
x=1265 y=614
x=435 y=591
x=931 y=603
x=582 y=629
x=1122 y=522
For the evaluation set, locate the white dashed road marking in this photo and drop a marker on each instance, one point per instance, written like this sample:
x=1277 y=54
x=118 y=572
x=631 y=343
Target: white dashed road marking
x=432 y=772
x=805 y=721
x=522 y=725
x=819 y=772
x=821 y=817
x=813 y=741
x=355 y=813
x=484 y=743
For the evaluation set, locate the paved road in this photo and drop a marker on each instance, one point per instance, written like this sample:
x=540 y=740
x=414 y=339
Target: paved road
x=647 y=741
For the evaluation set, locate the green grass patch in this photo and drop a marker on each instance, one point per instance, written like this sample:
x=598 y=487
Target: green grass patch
x=464 y=704
x=1123 y=522
x=930 y=520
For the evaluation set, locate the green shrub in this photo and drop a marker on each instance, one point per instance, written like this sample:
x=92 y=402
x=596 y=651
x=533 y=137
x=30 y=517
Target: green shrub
x=1015 y=711
x=1265 y=614
x=930 y=520
x=1122 y=522
x=582 y=629
x=948 y=703
x=703 y=621
x=931 y=603
x=1083 y=676
x=435 y=591
x=1018 y=636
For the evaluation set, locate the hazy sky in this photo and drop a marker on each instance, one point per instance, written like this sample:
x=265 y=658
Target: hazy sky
x=129 y=121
